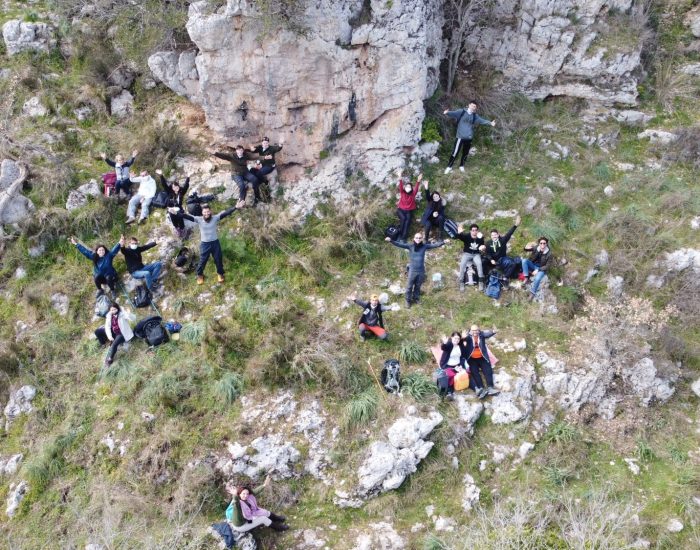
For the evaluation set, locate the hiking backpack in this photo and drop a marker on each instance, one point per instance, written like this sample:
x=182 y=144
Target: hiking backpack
x=102 y=305
x=142 y=297
x=184 y=261
x=151 y=329
x=391 y=376
x=450 y=228
x=442 y=381
x=493 y=289
x=110 y=181
x=160 y=200
x=392 y=232
x=195 y=201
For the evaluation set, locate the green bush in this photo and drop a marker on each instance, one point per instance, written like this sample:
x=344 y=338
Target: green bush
x=418 y=386
x=412 y=352
x=561 y=432
x=229 y=387
x=431 y=130
x=362 y=408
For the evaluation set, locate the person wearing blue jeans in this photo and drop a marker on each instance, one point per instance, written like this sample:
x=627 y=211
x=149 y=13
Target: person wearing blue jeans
x=539 y=261
x=134 y=261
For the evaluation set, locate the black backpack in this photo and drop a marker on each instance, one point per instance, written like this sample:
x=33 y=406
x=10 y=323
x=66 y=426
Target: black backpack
x=450 y=228
x=152 y=330
x=195 y=201
x=442 y=381
x=184 y=261
x=160 y=200
x=142 y=297
x=391 y=376
x=392 y=232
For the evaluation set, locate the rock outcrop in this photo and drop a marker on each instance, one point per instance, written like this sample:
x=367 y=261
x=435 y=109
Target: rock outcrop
x=14 y=207
x=580 y=48
x=21 y=36
x=20 y=403
x=344 y=96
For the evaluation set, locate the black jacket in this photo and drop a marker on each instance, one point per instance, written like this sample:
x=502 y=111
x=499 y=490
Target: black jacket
x=543 y=260
x=497 y=249
x=174 y=199
x=471 y=245
x=239 y=165
x=447 y=350
x=134 y=262
x=469 y=344
x=371 y=316
x=271 y=150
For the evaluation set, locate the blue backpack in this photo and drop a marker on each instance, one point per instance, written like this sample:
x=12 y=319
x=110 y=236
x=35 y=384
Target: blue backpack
x=450 y=228
x=493 y=289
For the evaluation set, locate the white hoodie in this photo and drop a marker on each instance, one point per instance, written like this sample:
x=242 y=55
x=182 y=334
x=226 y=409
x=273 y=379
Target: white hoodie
x=147 y=186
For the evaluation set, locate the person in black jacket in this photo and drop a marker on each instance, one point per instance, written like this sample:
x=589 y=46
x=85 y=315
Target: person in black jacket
x=134 y=262
x=176 y=195
x=240 y=172
x=121 y=169
x=539 y=262
x=371 y=320
x=266 y=154
x=471 y=254
x=453 y=359
x=496 y=250
x=434 y=214
x=479 y=362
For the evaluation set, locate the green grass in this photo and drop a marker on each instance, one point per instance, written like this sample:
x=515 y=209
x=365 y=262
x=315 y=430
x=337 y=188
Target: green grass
x=361 y=409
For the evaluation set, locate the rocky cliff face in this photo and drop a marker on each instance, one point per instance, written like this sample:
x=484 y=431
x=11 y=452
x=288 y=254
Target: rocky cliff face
x=580 y=48
x=345 y=95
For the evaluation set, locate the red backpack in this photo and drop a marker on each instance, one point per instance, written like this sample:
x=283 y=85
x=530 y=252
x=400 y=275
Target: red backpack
x=110 y=181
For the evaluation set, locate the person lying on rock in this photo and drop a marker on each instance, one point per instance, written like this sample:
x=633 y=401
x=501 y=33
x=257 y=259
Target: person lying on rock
x=406 y=204
x=539 y=262
x=434 y=213
x=473 y=243
x=466 y=120
x=147 y=190
x=134 y=262
x=103 y=271
x=453 y=359
x=240 y=172
x=496 y=250
x=116 y=330
x=477 y=354
x=371 y=320
x=266 y=155
x=176 y=195
x=244 y=514
x=121 y=169
x=416 y=266
x=209 y=238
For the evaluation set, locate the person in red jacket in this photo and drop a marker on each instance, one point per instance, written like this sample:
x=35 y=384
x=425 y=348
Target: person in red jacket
x=407 y=204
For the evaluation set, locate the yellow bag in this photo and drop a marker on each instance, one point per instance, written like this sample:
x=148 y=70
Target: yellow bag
x=461 y=380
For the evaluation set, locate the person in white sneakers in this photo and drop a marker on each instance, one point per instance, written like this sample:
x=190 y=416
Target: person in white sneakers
x=147 y=190
x=466 y=120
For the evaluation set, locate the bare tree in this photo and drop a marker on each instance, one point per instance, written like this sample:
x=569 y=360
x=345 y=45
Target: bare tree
x=458 y=15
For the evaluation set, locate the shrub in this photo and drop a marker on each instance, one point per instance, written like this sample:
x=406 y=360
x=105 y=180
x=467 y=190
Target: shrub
x=432 y=542
x=229 y=387
x=167 y=389
x=362 y=408
x=412 y=352
x=431 y=130
x=561 y=432
x=193 y=333
x=418 y=386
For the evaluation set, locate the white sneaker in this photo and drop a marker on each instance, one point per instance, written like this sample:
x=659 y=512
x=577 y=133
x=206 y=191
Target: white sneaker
x=448 y=170
x=461 y=168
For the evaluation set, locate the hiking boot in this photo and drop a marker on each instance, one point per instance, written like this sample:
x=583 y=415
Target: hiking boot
x=481 y=285
x=363 y=337
x=481 y=392
x=277 y=518
x=130 y=220
x=461 y=287
x=141 y=220
x=279 y=527
x=108 y=362
x=448 y=170
x=461 y=168
x=450 y=397
x=492 y=391
x=200 y=279
x=408 y=304
x=220 y=278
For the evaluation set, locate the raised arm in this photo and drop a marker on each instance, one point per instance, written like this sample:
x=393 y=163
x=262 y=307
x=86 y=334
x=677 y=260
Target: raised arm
x=398 y=244
x=227 y=212
x=84 y=251
x=115 y=250
x=175 y=211
x=163 y=182
x=147 y=246
x=185 y=186
x=361 y=303
x=438 y=244
x=508 y=235
x=488 y=333
x=223 y=156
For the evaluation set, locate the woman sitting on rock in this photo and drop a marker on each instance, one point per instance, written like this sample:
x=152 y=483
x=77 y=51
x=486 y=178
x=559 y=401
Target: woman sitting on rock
x=453 y=359
x=103 y=271
x=244 y=514
x=434 y=214
x=116 y=330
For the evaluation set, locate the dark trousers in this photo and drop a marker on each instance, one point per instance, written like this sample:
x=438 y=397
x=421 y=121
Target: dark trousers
x=464 y=145
x=214 y=249
x=509 y=266
x=123 y=185
x=243 y=180
x=109 y=280
x=415 y=280
x=431 y=222
x=102 y=339
x=178 y=220
x=480 y=369
x=260 y=173
x=405 y=219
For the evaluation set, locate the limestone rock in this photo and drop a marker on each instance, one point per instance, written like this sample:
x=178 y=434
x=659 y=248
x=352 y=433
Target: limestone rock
x=122 y=105
x=525 y=449
x=21 y=36
x=122 y=76
x=674 y=525
x=20 y=403
x=20 y=273
x=75 y=200
x=59 y=302
x=337 y=85
x=692 y=20
x=696 y=387
x=645 y=383
x=469 y=413
x=15 y=497
x=541 y=50
x=514 y=403
x=382 y=536
x=10 y=465
x=609 y=191
x=470 y=496
x=658 y=136
x=602 y=259
x=33 y=108
x=91 y=188
x=632 y=118
x=682 y=259
x=615 y=286
x=692 y=69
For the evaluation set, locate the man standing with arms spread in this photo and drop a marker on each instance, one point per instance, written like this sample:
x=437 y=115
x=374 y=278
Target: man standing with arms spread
x=466 y=120
x=416 y=267
x=209 y=246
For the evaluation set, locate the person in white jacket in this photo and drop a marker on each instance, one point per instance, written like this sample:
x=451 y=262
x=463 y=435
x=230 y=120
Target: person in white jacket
x=117 y=330
x=147 y=190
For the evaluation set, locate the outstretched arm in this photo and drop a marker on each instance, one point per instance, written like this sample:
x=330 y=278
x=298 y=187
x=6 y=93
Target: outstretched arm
x=437 y=244
x=223 y=156
x=115 y=250
x=227 y=212
x=483 y=121
x=147 y=246
x=397 y=244
x=453 y=114
x=488 y=333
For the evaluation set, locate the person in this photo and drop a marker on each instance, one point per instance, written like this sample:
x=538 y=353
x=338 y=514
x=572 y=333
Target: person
x=176 y=194
x=244 y=514
x=477 y=355
x=103 y=271
x=121 y=169
x=134 y=262
x=434 y=214
x=496 y=250
x=539 y=262
x=407 y=204
x=240 y=173
x=209 y=238
x=147 y=190
x=416 y=266
x=466 y=120
x=371 y=320
x=115 y=330
x=453 y=359
x=473 y=241
x=266 y=153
